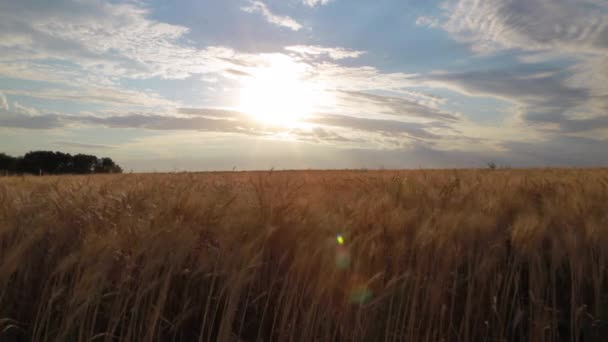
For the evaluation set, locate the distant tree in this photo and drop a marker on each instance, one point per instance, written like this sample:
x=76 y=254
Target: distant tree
x=39 y=162
x=84 y=163
x=107 y=165
x=65 y=163
x=17 y=165
x=7 y=163
x=48 y=162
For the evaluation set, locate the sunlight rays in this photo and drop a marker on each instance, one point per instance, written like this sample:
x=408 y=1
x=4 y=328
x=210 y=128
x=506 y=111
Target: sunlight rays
x=279 y=92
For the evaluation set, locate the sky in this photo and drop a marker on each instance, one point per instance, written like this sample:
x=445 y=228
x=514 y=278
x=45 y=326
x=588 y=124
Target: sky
x=306 y=84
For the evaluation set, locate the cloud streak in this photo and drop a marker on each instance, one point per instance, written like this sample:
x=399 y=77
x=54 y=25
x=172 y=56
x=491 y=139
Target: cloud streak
x=279 y=20
x=11 y=119
x=333 y=53
x=566 y=25
x=320 y=127
x=544 y=60
x=109 y=96
x=386 y=127
x=82 y=145
x=98 y=42
x=416 y=107
x=571 y=98
x=314 y=3
x=3 y=102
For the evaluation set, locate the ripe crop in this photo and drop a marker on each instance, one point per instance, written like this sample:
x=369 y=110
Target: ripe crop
x=452 y=255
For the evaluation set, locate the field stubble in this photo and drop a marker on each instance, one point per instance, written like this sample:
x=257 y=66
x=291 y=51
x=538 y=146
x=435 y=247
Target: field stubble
x=466 y=255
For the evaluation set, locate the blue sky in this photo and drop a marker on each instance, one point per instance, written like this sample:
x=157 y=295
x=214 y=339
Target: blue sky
x=255 y=84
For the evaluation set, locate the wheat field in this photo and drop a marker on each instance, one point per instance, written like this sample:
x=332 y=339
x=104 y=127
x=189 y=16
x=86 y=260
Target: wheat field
x=450 y=255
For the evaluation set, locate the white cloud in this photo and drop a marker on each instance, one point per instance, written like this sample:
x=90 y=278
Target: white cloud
x=108 y=96
x=314 y=3
x=97 y=42
x=38 y=71
x=427 y=21
x=3 y=102
x=91 y=46
x=334 y=53
x=568 y=99
x=493 y=25
x=19 y=108
x=79 y=145
x=409 y=107
x=261 y=8
x=360 y=78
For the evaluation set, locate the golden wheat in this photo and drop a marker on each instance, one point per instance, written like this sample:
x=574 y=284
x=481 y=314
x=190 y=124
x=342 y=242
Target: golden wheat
x=459 y=255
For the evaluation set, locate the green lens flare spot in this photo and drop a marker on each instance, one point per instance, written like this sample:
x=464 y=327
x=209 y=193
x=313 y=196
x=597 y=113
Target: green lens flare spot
x=343 y=261
x=361 y=295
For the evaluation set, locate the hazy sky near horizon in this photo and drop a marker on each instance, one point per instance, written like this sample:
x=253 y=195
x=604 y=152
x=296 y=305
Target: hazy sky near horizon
x=255 y=84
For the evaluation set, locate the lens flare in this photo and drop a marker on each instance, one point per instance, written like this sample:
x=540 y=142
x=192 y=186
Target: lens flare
x=342 y=258
x=359 y=290
x=361 y=295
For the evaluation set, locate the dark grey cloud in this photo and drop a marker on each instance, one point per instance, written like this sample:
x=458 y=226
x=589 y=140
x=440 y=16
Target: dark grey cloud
x=238 y=62
x=543 y=95
x=386 y=127
x=544 y=87
x=82 y=145
x=237 y=72
x=226 y=121
x=319 y=135
x=17 y=120
x=560 y=151
x=397 y=106
x=559 y=85
x=235 y=122
x=109 y=96
x=578 y=152
x=211 y=112
x=571 y=33
x=568 y=125
x=555 y=151
x=145 y=121
x=490 y=25
x=163 y=122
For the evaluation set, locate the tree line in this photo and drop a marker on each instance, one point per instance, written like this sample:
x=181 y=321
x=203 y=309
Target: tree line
x=48 y=162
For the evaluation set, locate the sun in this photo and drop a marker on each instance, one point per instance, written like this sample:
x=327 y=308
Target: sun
x=278 y=93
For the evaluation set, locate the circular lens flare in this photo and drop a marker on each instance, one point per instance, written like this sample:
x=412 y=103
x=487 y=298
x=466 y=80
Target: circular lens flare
x=342 y=258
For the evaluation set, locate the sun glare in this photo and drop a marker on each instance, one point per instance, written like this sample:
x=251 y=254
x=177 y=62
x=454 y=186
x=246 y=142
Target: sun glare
x=278 y=93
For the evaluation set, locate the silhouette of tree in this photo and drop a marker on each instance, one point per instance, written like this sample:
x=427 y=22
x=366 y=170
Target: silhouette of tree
x=48 y=162
x=107 y=165
x=7 y=163
x=84 y=163
x=42 y=161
